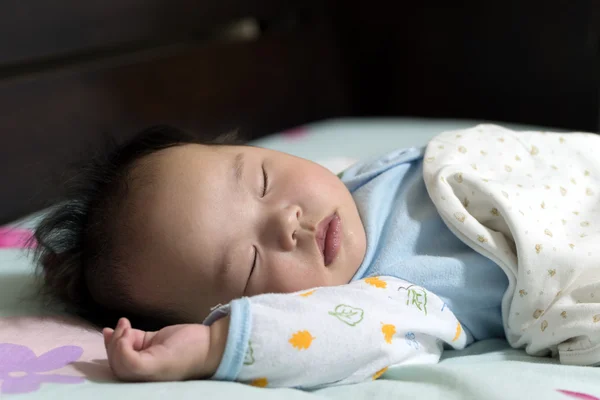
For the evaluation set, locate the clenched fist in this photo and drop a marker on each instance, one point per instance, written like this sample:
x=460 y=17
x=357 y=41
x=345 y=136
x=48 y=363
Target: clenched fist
x=177 y=352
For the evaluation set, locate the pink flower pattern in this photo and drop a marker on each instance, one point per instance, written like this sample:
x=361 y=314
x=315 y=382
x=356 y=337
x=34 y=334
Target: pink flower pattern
x=578 y=395
x=14 y=238
x=21 y=371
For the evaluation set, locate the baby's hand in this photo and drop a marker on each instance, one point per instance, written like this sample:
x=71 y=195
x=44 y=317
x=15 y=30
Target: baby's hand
x=174 y=353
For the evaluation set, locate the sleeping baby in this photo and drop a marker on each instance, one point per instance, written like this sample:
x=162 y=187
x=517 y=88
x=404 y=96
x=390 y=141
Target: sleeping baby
x=232 y=262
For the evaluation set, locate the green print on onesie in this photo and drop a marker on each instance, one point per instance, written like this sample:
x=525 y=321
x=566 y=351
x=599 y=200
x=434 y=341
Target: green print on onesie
x=417 y=297
x=249 y=358
x=348 y=314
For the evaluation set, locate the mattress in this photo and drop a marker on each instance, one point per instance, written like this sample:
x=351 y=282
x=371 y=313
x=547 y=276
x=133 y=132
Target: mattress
x=49 y=356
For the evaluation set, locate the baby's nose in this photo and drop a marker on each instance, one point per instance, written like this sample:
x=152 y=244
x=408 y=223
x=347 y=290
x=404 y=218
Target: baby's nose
x=287 y=221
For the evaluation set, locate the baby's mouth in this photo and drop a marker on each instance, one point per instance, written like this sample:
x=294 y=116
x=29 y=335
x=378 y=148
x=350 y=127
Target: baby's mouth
x=329 y=237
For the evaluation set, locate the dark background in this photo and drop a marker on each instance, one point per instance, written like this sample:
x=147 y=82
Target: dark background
x=75 y=72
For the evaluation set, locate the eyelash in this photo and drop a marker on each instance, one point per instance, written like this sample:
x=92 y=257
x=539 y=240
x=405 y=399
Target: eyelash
x=253 y=262
x=265 y=181
x=265 y=187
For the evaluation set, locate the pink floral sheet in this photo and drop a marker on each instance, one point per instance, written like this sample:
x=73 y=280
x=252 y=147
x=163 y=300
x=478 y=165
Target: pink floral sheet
x=48 y=356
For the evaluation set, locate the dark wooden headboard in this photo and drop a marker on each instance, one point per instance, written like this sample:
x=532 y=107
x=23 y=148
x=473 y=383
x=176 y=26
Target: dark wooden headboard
x=73 y=72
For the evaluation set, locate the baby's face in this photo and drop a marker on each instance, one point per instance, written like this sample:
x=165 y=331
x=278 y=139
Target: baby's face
x=217 y=223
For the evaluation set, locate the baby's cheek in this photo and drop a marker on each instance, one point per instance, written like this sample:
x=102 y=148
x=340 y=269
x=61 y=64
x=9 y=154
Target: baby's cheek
x=288 y=275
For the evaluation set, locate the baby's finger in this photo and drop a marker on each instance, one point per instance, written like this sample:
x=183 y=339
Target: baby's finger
x=142 y=340
x=118 y=330
x=112 y=350
x=124 y=323
x=132 y=365
x=107 y=333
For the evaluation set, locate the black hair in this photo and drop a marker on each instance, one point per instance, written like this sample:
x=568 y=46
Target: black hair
x=77 y=242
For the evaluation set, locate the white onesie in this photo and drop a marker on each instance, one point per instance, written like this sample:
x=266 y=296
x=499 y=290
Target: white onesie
x=335 y=335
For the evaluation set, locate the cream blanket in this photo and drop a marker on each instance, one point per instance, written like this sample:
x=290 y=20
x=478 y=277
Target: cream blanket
x=529 y=201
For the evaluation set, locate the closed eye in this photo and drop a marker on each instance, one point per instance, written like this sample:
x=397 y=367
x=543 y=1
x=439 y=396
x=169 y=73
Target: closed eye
x=254 y=261
x=252 y=269
x=265 y=181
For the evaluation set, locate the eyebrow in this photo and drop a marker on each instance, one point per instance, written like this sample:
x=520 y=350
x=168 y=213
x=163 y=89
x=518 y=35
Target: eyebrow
x=238 y=166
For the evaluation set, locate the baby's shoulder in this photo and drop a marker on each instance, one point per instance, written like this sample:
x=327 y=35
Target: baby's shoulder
x=377 y=165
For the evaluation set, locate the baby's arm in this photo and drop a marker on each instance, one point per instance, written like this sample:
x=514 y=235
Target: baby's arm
x=335 y=335
x=177 y=352
x=325 y=336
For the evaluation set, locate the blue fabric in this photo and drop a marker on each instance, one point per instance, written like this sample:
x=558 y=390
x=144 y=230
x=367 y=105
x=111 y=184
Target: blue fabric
x=407 y=239
x=238 y=335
